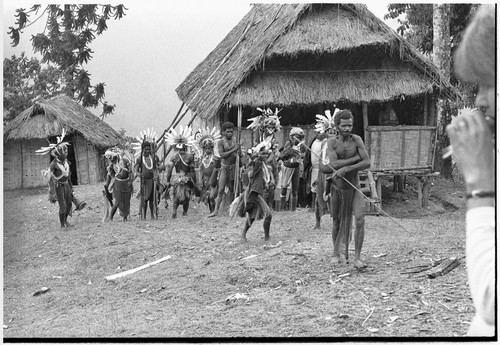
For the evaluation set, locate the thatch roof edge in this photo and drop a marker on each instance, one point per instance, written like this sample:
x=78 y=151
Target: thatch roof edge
x=209 y=86
x=46 y=118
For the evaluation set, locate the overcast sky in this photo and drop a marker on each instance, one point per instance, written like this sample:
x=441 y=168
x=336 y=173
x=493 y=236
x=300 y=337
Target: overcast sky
x=146 y=55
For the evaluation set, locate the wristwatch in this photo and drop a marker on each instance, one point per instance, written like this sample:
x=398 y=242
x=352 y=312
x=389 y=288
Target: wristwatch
x=480 y=194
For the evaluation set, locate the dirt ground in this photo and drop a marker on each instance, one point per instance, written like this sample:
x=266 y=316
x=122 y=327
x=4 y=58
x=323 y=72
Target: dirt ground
x=215 y=286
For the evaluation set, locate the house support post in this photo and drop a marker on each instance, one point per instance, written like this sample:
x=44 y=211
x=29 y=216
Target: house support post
x=365 y=125
x=426 y=109
x=423 y=190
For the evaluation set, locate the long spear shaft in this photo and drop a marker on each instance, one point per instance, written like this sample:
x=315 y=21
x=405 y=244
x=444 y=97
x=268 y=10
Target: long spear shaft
x=237 y=165
x=171 y=125
x=143 y=212
x=364 y=196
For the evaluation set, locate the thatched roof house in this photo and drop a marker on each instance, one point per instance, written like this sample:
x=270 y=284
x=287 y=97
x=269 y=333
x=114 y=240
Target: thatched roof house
x=306 y=58
x=89 y=137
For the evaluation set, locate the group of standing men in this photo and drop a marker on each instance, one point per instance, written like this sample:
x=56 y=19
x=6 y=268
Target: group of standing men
x=333 y=159
x=266 y=176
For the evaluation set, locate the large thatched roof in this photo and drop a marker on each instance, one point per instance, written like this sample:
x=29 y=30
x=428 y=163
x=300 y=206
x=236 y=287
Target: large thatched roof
x=254 y=64
x=47 y=118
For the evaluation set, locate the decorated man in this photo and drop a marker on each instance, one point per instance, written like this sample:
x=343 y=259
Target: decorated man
x=343 y=156
x=180 y=170
x=206 y=140
x=265 y=126
x=251 y=203
x=118 y=182
x=325 y=127
x=60 y=188
x=228 y=149
x=292 y=156
x=147 y=165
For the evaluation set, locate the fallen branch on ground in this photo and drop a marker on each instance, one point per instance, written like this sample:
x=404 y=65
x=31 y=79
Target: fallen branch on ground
x=125 y=273
x=444 y=268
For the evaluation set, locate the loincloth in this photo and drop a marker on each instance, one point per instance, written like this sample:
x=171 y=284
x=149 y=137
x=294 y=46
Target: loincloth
x=322 y=201
x=122 y=192
x=345 y=197
x=286 y=177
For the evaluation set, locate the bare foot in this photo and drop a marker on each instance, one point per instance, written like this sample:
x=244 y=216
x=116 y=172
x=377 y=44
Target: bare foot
x=336 y=260
x=213 y=214
x=243 y=239
x=359 y=264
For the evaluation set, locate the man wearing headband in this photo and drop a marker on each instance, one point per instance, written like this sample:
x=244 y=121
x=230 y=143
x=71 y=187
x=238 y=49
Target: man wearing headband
x=60 y=188
x=183 y=163
x=325 y=127
x=119 y=183
x=146 y=167
x=292 y=154
x=60 y=173
x=207 y=167
x=251 y=204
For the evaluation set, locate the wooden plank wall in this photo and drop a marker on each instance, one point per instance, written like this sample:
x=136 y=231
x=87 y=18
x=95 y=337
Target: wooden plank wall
x=21 y=166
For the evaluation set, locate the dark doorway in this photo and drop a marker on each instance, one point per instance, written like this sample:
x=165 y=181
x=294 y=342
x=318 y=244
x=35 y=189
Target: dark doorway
x=72 y=162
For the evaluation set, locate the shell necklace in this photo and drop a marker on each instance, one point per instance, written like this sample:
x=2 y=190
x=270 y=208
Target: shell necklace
x=64 y=167
x=149 y=167
x=207 y=160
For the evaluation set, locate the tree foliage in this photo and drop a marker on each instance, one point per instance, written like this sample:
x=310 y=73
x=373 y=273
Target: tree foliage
x=25 y=81
x=415 y=22
x=416 y=25
x=65 y=43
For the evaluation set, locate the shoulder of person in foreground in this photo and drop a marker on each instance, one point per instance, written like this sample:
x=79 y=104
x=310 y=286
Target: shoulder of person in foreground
x=331 y=142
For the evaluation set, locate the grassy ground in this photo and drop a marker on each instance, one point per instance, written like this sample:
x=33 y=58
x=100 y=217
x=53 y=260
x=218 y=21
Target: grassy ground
x=215 y=286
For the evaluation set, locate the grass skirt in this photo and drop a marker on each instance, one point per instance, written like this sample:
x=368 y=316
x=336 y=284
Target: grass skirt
x=254 y=204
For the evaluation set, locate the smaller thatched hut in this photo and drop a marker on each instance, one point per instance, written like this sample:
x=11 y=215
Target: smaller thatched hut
x=88 y=135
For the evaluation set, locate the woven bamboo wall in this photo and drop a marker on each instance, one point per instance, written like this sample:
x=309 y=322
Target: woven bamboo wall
x=21 y=166
x=87 y=161
x=400 y=147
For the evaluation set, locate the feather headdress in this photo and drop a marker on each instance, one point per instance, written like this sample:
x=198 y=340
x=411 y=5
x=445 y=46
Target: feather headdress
x=112 y=152
x=207 y=137
x=146 y=136
x=297 y=131
x=183 y=137
x=267 y=119
x=325 y=122
x=53 y=148
x=264 y=145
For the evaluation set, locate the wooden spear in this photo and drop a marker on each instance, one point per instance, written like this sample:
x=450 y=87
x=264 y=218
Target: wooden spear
x=237 y=165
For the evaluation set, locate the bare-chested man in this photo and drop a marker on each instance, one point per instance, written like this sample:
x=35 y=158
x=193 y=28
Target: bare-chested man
x=228 y=149
x=344 y=156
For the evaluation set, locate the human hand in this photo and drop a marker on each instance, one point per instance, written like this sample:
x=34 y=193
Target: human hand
x=471 y=139
x=339 y=173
